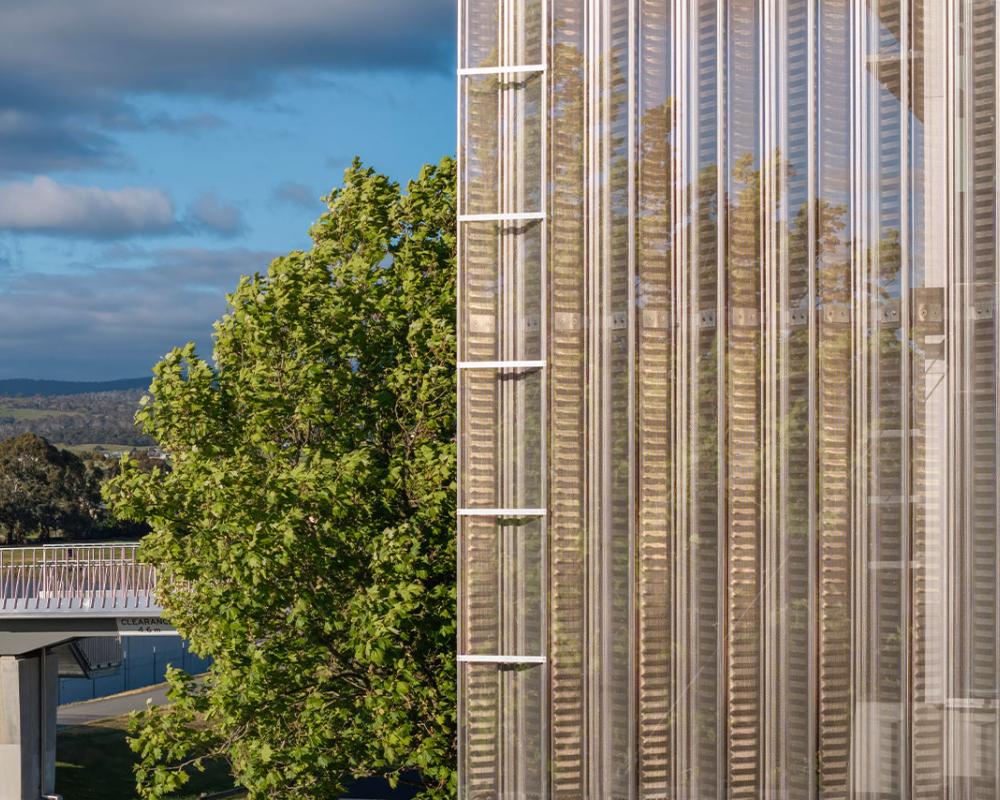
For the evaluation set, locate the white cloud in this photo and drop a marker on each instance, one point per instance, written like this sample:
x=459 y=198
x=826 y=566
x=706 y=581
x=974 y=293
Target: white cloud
x=42 y=205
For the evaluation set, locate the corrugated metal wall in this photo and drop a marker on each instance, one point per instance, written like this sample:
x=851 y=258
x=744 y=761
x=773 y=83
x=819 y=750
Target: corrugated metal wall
x=728 y=399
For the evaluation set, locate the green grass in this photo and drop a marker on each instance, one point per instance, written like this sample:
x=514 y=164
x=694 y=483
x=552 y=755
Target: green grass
x=94 y=763
x=29 y=414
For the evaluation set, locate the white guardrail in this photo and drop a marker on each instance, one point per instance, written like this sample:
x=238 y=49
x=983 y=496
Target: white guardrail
x=75 y=578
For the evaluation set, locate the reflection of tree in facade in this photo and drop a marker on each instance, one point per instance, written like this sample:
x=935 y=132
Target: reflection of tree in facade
x=502 y=745
x=772 y=418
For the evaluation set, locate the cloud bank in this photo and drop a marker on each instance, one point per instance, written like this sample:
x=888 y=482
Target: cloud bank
x=68 y=68
x=117 y=320
x=45 y=206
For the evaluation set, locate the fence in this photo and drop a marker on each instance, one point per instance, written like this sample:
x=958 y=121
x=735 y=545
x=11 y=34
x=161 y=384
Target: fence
x=75 y=577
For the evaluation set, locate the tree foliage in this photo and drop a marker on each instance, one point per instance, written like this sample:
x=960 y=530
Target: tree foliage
x=305 y=533
x=49 y=493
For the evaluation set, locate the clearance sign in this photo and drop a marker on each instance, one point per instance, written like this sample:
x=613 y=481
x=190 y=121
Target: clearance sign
x=144 y=626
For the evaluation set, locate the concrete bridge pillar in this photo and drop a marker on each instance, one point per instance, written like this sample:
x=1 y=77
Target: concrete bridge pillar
x=29 y=694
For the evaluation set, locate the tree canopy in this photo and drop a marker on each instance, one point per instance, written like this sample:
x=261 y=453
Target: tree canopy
x=50 y=493
x=305 y=533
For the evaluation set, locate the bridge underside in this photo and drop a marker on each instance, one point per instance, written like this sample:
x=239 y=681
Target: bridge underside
x=21 y=636
x=50 y=598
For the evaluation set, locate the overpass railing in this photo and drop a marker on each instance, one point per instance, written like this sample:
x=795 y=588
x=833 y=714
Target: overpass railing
x=74 y=578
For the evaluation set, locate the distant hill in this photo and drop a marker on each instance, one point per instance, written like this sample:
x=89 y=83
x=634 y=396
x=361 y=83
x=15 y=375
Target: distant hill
x=26 y=387
x=74 y=412
x=85 y=418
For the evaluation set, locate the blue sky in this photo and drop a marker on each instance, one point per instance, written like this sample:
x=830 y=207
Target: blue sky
x=150 y=153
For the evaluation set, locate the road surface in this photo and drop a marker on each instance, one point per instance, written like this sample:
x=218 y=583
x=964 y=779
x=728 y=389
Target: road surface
x=116 y=705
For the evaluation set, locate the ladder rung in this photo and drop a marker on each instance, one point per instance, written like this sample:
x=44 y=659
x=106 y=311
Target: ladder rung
x=463 y=659
x=501 y=512
x=501 y=364
x=522 y=216
x=511 y=70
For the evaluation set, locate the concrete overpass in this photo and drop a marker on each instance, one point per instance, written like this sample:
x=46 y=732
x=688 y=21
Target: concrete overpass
x=59 y=605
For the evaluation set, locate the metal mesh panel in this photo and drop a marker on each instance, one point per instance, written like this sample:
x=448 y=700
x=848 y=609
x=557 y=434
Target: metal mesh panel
x=789 y=656
x=742 y=403
x=502 y=586
x=501 y=34
x=501 y=291
x=501 y=732
x=502 y=397
x=501 y=133
x=735 y=282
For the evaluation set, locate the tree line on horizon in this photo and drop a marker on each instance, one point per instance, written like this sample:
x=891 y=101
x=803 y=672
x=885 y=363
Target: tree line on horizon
x=51 y=494
x=84 y=418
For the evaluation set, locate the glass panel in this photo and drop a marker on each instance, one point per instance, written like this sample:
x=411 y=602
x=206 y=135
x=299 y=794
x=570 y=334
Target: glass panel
x=501 y=292
x=501 y=444
x=501 y=733
x=881 y=711
x=501 y=33
x=972 y=705
x=699 y=639
x=773 y=444
x=502 y=584
x=501 y=144
x=931 y=387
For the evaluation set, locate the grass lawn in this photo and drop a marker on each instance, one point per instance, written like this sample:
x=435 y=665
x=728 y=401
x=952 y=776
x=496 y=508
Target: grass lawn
x=95 y=763
x=29 y=414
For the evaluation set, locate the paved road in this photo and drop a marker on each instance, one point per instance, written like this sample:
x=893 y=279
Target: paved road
x=114 y=706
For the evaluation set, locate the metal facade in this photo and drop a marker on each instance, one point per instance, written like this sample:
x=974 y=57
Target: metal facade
x=728 y=438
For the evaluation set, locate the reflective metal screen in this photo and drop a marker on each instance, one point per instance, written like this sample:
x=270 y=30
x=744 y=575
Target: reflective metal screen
x=728 y=441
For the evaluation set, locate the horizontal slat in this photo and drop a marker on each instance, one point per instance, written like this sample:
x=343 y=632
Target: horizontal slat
x=501 y=512
x=463 y=659
x=514 y=70
x=519 y=216
x=501 y=364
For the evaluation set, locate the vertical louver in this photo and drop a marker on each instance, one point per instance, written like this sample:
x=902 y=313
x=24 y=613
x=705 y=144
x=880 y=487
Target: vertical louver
x=567 y=382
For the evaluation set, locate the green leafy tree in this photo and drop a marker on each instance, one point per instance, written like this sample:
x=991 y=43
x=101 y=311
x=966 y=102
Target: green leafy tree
x=305 y=533
x=46 y=492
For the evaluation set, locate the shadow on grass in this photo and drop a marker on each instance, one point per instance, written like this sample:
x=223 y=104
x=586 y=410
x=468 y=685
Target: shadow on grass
x=95 y=763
